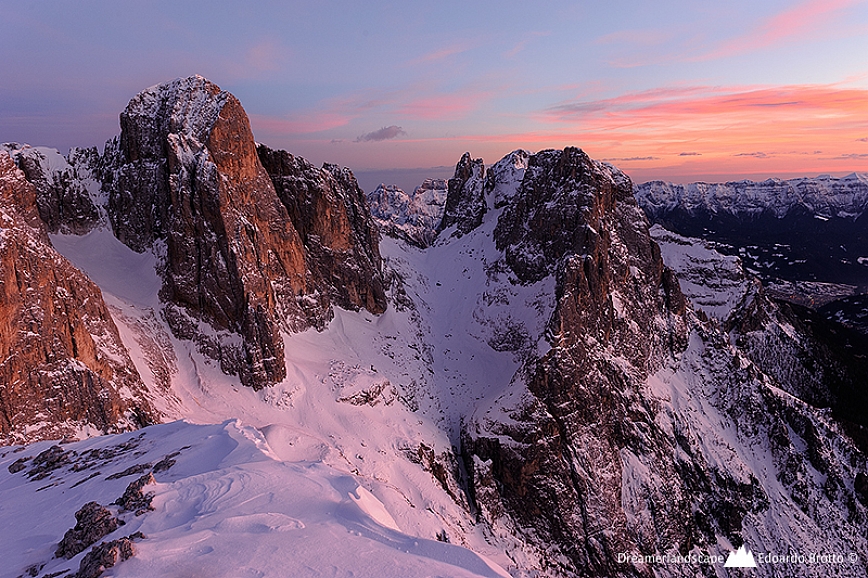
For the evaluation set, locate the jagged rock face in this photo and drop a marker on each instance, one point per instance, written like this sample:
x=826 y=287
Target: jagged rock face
x=66 y=188
x=643 y=429
x=618 y=312
x=465 y=202
x=715 y=284
x=329 y=211
x=412 y=217
x=188 y=174
x=243 y=260
x=64 y=365
x=812 y=358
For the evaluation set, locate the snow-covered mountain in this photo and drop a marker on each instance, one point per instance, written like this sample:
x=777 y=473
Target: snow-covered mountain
x=531 y=394
x=413 y=217
x=806 y=239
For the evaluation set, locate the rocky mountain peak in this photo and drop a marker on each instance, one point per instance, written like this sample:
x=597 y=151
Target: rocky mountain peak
x=250 y=250
x=465 y=202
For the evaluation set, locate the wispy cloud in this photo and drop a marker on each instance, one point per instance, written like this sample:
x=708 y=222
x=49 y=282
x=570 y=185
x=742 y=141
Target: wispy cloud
x=798 y=22
x=441 y=53
x=299 y=124
x=630 y=159
x=522 y=44
x=690 y=154
x=385 y=133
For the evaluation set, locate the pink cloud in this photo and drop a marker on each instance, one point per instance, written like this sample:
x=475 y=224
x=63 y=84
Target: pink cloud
x=794 y=23
x=441 y=54
x=442 y=106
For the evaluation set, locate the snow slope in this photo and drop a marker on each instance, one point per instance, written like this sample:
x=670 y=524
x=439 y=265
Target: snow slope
x=236 y=502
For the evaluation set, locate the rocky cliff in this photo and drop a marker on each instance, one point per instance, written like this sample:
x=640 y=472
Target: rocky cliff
x=465 y=202
x=242 y=261
x=64 y=369
x=68 y=195
x=341 y=241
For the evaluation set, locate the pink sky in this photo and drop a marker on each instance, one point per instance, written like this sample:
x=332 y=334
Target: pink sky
x=675 y=89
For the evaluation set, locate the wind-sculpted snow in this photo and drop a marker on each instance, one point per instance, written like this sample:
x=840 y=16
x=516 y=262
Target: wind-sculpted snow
x=227 y=506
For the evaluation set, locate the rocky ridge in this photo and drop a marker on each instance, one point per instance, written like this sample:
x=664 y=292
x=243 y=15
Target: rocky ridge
x=827 y=196
x=603 y=444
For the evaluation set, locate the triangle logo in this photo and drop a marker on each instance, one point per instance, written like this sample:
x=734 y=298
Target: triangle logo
x=742 y=558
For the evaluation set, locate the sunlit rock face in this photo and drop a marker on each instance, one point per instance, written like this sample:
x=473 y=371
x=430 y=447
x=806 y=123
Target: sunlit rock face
x=63 y=367
x=243 y=260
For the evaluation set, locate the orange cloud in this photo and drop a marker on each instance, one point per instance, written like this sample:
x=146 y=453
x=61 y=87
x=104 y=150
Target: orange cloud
x=802 y=129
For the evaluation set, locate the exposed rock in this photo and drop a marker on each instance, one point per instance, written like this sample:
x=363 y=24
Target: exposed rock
x=63 y=362
x=105 y=556
x=92 y=523
x=606 y=443
x=242 y=260
x=412 y=217
x=67 y=192
x=329 y=211
x=187 y=174
x=134 y=499
x=48 y=461
x=465 y=202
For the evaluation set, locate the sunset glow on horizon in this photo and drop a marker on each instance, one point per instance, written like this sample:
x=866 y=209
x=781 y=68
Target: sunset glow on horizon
x=676 y=91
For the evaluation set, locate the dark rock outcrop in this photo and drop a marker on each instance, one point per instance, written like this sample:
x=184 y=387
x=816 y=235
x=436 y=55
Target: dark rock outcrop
x=66 y=188
x=92 y=523
x=105 y=556
x=134 y=499
x=63 y=363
